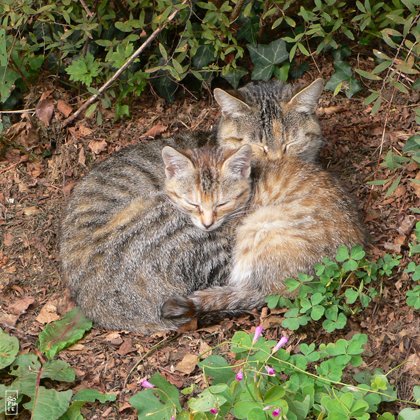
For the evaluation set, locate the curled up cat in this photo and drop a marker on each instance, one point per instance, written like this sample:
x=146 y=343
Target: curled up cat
x=297 y=214
x=127 y=245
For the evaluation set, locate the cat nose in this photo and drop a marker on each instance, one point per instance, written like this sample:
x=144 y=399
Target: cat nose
x=208 y=224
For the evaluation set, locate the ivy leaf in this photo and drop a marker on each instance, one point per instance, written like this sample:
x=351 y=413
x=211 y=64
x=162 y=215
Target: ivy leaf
x=9 y=348
x=63 y=333
x=234 y=76
x=265 y=57
x=203 y=56
x=49 y=403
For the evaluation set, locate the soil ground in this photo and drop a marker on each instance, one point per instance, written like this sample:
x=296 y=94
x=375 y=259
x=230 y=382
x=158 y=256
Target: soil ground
x=39 y=167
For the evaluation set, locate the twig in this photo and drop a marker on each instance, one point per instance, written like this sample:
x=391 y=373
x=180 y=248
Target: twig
x=94 y=97
x=148 y=353
x=88 y=12
x=18 y=111
x=236 y=11
x=10 y=167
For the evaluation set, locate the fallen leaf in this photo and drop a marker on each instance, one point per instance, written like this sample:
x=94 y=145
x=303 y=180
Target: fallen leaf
x=126 y=347
x=8 y=320
x=34 y=169
x=155 y=131
x=44 y=111
x=47 y=314
x=205 y=349
x=68 y=188
x=31 y=211
x=76 y=347
x=85 y=131
x=187 y=364
x=7 y=239
x=20 y=306
x=97 y=146
x=82 y=157
x=114 y=338
x=64 y=108
x=413 y=365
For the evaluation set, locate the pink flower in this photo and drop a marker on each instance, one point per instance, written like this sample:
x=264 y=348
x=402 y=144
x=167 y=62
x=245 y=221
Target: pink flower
x=257 y=334
x=270 y=371
x=267 y=407
x=214 y=410
x=173 y=418
x=146 y=384
x=276 y=412
x=283 y=341
x=239 y=376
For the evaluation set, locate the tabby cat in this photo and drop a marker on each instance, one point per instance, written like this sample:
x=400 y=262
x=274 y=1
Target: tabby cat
x=125 y=248
x=297 y=214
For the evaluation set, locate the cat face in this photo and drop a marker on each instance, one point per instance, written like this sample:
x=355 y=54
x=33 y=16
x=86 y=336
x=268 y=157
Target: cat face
x=267 y=116
x=211 y=185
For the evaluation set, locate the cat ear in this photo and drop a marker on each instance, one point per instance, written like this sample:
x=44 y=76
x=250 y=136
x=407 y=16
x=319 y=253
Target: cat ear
x=307 y=99
x=175 y=163
x=229 y=104
x=239 y=164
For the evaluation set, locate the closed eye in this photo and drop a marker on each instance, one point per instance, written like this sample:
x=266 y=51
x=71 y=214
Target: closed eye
x=192 y=204
x=222 y=204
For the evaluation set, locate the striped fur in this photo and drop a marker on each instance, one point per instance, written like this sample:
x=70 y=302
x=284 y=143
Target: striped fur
x=267 y=114
x=298 y=214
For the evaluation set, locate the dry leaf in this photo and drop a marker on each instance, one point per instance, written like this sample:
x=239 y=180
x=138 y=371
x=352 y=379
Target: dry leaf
x=416 y=185
x=114 y=338
x=7 y=239
x=407 y=225
x=85 y=131
x=97 y=146
x=31 y=211
x=64 y=108
x=155 y=131
x=44 y=111
x=126 y=347
x=8 y=320
x=205 y=349
x=187 y=364
x=82 y=157
x=76 y=347
x=68 y=188
x=48 y=314
x=20 y=306
x=413 y=365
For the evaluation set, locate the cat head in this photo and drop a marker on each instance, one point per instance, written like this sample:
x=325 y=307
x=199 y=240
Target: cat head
x=268 y=116
x=211 y=185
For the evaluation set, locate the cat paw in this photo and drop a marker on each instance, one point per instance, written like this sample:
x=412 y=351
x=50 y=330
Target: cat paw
x=179 y=307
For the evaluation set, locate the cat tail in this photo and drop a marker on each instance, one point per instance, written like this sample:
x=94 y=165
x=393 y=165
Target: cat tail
x=226 y=299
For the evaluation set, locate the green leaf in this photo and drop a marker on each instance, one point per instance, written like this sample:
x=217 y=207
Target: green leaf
x=291 y=284
x=49 y=404
x=206 y=401
x=234 y=76
x=357 y=252
x=272 y=301
x=342 y=253
x=350 y=265
x=317 y=312
x=368 y=75
x=351 y=296
x=217 y=368
x=203 y=56
x=9 y=348
x=149 y=407
x=393 y=186
x=412 y=144
x=240 y=342
x=58 y=370
x=242 y=409
x=63 y=333
x=25 y=368
x=3 y=50
x=169 y=394
x=84 y=69
x=409 y=414
x=265 y=57
x=92 y=395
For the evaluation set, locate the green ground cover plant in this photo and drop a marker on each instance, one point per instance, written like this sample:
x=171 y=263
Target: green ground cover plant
x=35 y=375
x=85 y=43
